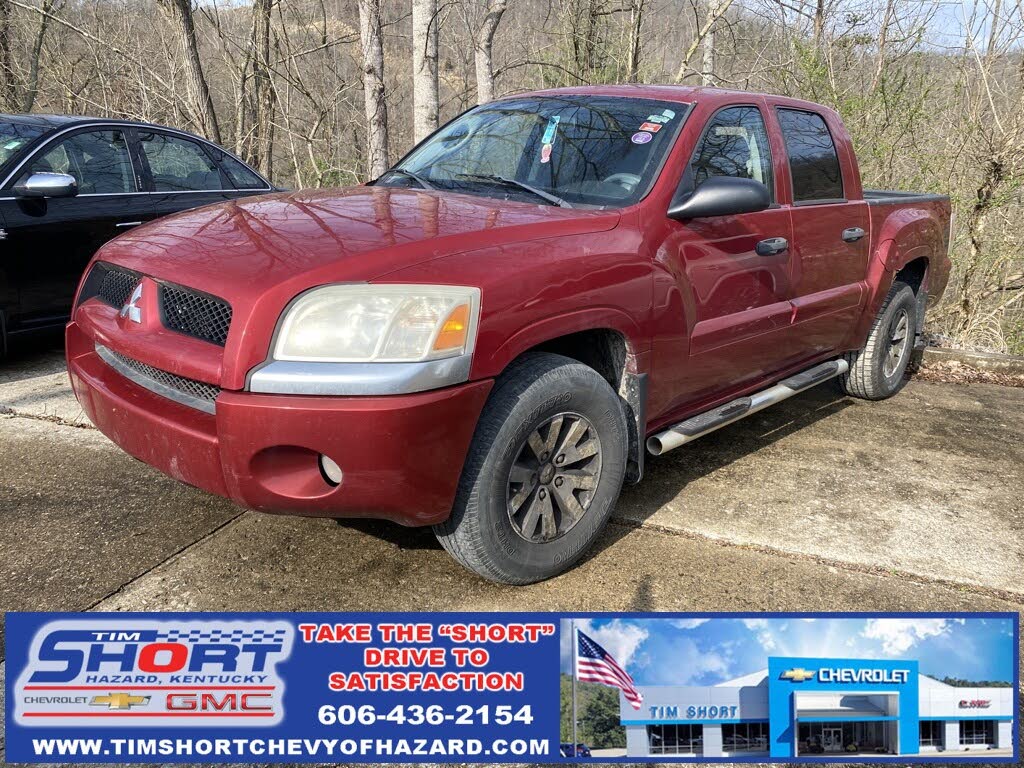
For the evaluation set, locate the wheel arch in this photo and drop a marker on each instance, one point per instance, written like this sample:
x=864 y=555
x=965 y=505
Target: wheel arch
x=600 y=340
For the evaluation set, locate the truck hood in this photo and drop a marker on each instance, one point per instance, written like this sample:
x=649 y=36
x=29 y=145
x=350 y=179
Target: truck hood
x=288 y=242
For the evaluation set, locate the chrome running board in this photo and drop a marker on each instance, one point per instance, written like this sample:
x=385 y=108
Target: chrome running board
x=716 y=418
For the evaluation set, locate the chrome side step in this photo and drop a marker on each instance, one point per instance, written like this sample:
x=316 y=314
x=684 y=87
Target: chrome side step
x=716 y=418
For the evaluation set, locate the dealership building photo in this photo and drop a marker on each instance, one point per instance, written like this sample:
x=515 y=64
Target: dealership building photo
x=801 y=706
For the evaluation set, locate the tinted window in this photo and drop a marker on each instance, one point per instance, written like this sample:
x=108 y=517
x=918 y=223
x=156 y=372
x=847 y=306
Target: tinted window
x=735 y=143
x=812 y=156
x=98 y=160
x=14 y=136
x=602 y=151
x=179 y=165
x=240 y=174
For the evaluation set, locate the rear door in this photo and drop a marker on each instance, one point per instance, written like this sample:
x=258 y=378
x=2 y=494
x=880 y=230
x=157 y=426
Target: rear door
x=50 y=240
x=740 y=297
x=830 y=230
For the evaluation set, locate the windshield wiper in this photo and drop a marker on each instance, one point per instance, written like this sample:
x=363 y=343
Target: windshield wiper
x=414 y=176
x=553 y=199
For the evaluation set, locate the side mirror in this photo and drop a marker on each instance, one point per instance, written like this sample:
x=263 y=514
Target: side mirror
x=722 y=196
x=47 y=185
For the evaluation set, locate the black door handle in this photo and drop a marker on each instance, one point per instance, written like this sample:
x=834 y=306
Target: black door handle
x=853 y=234
x=771 y=246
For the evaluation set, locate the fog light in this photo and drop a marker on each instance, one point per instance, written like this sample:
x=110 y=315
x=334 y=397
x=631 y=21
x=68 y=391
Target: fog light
x=330 y=470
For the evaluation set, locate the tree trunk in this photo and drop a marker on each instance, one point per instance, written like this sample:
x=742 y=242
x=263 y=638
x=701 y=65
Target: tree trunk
x=484 y=53
x=636 y=27
x=263 y=91
x=377 y=160
x=198 y=88
x=424 y=68
x=8 y=88
x=715 y=12
x=707 y=69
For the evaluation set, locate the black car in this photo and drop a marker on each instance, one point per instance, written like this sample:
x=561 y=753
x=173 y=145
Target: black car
x=69 y=184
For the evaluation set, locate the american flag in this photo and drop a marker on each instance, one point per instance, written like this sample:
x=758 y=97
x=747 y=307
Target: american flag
x=595 y=665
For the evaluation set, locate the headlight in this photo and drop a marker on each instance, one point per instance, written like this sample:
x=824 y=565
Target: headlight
x=379 y=323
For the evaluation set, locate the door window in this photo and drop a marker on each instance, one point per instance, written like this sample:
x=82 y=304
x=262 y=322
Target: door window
x=179 y=165
x=813 y=162
x=735 y=143
x=98 y=160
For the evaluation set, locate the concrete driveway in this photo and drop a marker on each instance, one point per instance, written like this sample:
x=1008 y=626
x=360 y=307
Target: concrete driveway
x=822 y=503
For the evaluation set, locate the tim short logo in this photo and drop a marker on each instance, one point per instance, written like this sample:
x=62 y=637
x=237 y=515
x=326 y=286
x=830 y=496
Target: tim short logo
x=798 y=674
x=144 y=672
x=131 y=308
x=975 y=703
x=119 y=701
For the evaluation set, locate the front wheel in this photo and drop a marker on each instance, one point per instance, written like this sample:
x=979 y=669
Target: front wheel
x=879 y=370
x=543 y=472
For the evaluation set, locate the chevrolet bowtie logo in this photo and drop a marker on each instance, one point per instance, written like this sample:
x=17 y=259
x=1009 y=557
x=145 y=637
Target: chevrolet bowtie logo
x=798 y=674
x=119 y=701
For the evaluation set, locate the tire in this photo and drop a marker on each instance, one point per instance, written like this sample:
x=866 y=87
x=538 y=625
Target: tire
x=500 y=527
x=878 y=371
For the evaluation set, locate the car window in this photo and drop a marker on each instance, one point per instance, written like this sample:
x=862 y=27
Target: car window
x=98 y=160
x=179 y=165
x=14 y=136
x=240 y=174
x=813 y=162
x=735 y=143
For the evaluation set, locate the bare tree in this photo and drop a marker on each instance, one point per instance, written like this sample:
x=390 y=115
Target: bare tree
x=8 y=86
x=484 y=51
x=424 y=67
x=198 y=89
x=707 y=73
x=636 y=29
x=716 y=10
x=378 y=152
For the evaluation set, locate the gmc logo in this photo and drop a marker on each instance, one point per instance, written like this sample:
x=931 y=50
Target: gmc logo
x=975 y=704
x=212 y=702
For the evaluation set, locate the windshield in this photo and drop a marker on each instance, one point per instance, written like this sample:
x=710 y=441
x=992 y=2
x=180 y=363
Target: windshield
x=14 y=136
x=566 y=150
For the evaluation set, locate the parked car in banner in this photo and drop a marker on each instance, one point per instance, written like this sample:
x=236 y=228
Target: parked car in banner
x=489 y=338
x=70 y=184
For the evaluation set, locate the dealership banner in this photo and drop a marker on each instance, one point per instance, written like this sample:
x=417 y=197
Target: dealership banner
x=482 y=687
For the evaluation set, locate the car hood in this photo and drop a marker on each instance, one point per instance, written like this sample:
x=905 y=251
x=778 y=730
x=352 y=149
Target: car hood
x=289 y=242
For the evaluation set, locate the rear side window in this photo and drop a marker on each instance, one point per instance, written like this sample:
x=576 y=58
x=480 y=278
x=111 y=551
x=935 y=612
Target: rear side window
x=179 y=165
x=241 y=175
x=813 y=162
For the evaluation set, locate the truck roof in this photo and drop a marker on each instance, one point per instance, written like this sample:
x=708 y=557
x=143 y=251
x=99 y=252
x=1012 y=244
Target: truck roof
x=683 y=94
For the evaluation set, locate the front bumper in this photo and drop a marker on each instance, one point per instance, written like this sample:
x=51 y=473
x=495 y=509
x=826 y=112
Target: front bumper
x=401 y=455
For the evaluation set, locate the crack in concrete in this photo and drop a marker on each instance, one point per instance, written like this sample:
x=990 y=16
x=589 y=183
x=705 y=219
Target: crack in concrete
x=11 y=413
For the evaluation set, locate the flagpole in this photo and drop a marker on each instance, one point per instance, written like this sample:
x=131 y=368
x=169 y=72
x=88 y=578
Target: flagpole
x=575 y=646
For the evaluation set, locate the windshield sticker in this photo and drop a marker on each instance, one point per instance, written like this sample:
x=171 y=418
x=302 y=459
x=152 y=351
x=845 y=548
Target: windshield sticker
x=668 y=113
x=658 y=119
x=13 y=144
x=652 y=127
x=641 y=138
x=549 y=138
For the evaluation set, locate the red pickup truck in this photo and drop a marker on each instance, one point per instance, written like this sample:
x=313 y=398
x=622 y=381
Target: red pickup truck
x=489 y=337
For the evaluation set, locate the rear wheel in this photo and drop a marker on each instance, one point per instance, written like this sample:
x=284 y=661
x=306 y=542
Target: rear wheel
x=544 y=470
x=879 y=370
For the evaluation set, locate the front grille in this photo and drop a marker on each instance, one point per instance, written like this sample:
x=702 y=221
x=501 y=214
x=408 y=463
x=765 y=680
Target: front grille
x=196 y=394
x=195 y=314
x=110 y=284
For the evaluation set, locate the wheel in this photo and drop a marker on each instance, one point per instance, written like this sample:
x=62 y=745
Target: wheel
x=877 y=371
x=543 y=472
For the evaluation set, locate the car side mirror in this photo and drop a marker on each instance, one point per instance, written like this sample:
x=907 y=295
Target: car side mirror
x=722 y=196
x=47 y=185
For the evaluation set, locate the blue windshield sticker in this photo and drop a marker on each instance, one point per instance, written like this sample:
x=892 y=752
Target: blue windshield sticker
x=549 y=132
x=657 y=119
x=668 y=113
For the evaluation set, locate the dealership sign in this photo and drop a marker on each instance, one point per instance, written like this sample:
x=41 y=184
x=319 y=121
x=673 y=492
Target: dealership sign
x=975 y=703
x=863 y=675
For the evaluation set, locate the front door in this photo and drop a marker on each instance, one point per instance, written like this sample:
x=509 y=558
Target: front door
x=50 y=240
x=832 y=739
x=736 y=269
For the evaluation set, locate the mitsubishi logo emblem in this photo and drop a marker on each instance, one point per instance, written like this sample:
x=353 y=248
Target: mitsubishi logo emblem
x=131 y=309
x=798 y=674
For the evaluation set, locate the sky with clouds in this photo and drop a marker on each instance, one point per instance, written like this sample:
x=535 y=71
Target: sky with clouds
x=707 y=651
